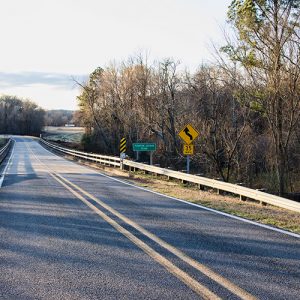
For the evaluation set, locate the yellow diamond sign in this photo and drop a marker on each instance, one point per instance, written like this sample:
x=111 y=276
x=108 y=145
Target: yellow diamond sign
x=188 y=134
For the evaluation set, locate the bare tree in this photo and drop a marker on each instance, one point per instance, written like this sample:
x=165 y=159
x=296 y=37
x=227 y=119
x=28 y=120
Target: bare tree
x=267 y=50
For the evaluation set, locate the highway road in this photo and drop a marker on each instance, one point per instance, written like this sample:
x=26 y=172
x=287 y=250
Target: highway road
x=70 y=232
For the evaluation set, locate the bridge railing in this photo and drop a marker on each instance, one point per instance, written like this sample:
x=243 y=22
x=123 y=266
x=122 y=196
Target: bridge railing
x=4 y=150
x=243 y=192
x=102 y=159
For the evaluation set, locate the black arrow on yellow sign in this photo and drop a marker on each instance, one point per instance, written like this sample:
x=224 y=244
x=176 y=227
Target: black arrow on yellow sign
x=187 y=132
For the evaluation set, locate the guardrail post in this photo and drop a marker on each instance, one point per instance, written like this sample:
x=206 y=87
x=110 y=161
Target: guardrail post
x=242 y=198
x=201 y=187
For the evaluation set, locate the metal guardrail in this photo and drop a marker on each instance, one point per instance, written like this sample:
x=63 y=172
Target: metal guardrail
x=4 y=150
x=243 y=192
x=103 y=159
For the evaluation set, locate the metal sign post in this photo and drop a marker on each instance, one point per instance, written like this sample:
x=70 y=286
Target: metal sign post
x=188 y=150
x=151 y=158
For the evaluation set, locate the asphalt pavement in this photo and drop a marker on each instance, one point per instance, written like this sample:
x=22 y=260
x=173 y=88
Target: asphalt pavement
x=70 y=232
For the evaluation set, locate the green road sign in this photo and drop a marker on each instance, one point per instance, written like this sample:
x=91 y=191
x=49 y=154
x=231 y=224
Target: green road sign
x=144 y=147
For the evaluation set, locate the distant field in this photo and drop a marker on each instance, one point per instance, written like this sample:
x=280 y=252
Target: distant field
x=65 y=134
x=54 y=129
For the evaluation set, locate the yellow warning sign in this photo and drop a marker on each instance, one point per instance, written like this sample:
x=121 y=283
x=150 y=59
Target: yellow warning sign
x=123 y=145
x=188 y=149
x=188 y=134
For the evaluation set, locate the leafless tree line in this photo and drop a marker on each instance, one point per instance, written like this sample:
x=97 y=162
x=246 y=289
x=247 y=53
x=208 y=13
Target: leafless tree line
x=152 y=102
x=246 y=105
x=61 y=117
x=19 y=116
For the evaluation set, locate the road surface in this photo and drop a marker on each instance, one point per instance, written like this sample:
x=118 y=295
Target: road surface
x=70 y=232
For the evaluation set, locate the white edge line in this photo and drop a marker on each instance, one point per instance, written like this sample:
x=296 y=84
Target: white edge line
x=7 y=165
x=190 y=203
x=207 y=208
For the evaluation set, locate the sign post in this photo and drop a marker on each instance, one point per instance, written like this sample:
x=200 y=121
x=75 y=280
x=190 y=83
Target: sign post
x=188 y=134
x=188 y=164
x=151 y=158
x=188 y=150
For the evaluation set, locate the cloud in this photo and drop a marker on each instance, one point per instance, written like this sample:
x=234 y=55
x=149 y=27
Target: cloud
x=29 y=79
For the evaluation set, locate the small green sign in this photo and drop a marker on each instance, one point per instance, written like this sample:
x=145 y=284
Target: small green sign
x=144 y=147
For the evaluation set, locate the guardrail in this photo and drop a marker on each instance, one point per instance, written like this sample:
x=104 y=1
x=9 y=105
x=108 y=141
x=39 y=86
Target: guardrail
x=102 y=159
x=4 y=150
x=243 y=192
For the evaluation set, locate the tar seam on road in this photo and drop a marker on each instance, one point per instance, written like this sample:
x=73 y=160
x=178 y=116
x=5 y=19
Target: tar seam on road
x=7 y=165
x=198 y=266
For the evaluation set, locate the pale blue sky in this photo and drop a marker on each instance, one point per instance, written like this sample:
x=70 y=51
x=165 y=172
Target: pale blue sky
x=46 y=42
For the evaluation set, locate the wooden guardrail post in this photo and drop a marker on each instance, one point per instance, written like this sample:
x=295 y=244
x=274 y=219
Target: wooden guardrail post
x=201 y=187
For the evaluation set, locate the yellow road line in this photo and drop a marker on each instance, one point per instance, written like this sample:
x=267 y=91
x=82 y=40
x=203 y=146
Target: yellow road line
x=200 y=289
x=195 y=264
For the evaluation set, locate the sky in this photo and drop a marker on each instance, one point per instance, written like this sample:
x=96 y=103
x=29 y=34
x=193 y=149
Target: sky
x=45 y=44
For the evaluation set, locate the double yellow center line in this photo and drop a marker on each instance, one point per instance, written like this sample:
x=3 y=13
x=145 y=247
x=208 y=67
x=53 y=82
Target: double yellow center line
x=200 y=289
x=197 y=287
